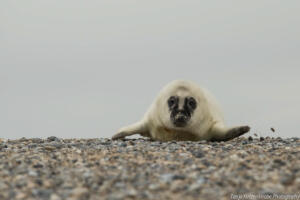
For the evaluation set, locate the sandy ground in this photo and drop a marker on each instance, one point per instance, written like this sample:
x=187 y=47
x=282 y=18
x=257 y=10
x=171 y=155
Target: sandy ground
x=244 y=168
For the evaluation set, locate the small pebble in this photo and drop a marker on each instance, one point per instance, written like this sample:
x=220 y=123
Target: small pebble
x=273 y=130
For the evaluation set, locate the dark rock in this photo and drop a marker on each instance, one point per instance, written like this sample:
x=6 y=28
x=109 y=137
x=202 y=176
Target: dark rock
x=38 y=166
x=198 y=154
x=245 y=142
x=279 y=162
x=52 y=138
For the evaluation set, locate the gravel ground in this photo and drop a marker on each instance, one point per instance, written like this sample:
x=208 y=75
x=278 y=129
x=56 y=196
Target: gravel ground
x=53 y=168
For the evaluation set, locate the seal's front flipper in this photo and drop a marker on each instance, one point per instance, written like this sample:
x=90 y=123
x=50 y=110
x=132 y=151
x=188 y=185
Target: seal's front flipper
x=121 y=135
x=229 y=134
x=137 y=128
x=236 y=132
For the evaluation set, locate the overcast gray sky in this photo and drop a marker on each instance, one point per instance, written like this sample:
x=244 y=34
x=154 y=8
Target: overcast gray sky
x=85 y=68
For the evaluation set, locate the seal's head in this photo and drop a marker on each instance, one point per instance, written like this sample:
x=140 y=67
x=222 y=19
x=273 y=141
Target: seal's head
x=181 y=106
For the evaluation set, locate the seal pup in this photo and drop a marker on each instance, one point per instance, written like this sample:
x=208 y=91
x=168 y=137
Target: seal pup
x=183 y=111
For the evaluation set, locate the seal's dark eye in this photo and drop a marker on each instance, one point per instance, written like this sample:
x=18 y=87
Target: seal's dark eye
x=171 y=101
x=192 y=103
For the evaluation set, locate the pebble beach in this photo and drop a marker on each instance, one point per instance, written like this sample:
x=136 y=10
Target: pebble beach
x=58 y=169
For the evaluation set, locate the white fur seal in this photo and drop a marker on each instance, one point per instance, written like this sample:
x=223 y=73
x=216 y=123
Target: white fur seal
x=183 y=111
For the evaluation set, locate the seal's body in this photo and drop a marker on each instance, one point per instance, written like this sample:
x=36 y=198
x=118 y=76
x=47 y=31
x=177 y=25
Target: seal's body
x=183 y=111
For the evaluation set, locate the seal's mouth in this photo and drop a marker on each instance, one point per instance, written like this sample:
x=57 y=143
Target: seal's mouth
x=180 y=119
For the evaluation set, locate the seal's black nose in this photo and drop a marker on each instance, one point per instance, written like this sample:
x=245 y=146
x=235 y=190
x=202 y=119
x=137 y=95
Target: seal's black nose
x=180 y=118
